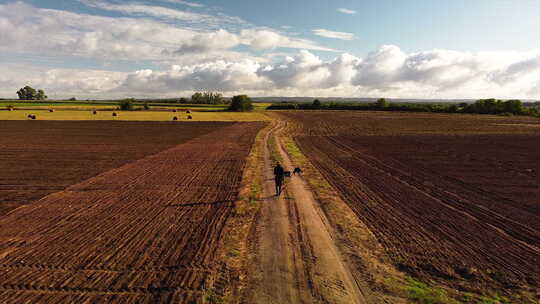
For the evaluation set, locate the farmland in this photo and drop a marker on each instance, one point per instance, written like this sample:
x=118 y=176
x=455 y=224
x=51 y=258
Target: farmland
x=451 y=198
x=140 y=219
x=152 y=115
x=42 y=157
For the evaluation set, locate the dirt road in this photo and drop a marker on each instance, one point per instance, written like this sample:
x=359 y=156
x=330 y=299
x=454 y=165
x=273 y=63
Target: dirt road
x=297 y=260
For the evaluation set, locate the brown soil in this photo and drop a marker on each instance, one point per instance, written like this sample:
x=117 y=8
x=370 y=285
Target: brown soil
x=461 y=210
x=41 y=157
x=145 y=232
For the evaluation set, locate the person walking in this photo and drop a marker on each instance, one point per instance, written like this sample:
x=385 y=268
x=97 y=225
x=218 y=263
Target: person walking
x=279 y=176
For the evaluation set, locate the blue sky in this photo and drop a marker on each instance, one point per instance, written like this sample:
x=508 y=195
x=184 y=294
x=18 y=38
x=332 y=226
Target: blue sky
x=394 y=48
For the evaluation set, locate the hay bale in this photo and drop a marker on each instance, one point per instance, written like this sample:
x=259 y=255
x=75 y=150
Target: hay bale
x=174 y=111
x=32 y=116
x=51 y=110
x=10 y=109
x=189 y=117
x=175 y=118
x=188 y=111
x=29 y=116
x=114 y=114
x=94 y=112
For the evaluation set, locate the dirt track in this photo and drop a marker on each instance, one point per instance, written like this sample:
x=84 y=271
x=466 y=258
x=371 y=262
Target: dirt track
x=145 y=232
x=297 y=259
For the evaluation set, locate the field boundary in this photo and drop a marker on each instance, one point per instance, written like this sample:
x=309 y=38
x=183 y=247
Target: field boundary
x=229 y=283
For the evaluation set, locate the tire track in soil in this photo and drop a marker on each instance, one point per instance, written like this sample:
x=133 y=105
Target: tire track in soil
x=135 y=234
x=297 y=260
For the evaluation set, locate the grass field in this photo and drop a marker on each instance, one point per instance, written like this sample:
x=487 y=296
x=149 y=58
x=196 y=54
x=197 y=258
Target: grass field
x=44 y=114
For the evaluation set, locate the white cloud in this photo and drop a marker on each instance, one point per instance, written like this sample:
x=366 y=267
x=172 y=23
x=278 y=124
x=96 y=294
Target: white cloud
x=266 y=39
x=144 y=10
x=219 y=75
x=191 y=4
x=387 y=71
x=346 y=11
x=70 y=34
x=60 y=83
x=332 y=34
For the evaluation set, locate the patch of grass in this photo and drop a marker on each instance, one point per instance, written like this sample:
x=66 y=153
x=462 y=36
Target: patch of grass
x=43 y=114
x=211 y=296
x=494 y=300
x=274 y=154
x=237 y=255
x=420 y=292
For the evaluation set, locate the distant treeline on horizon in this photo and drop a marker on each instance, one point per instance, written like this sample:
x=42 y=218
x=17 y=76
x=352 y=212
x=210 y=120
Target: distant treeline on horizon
x=481 y=106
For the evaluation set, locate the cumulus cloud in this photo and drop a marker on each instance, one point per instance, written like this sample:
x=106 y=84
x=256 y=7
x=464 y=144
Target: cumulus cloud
x=388 y=71
x=346 y=11
x=219 y=76
x=520 y=69
x=332 y=34
x=60 y=83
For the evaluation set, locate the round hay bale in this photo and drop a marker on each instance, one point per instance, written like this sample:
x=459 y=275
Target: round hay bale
x=10 y=109
x=114 y=114
x=94 y=112
x=175 y=118
x=174 y=111
x=51 y=110
x=189 y=117
x=34 y=117
x=188 y=111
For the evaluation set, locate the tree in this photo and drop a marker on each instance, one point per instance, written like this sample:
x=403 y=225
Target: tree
x=382 y=103
x=207 y=97
x=41 y=95
x=197 y=97
x=316 y=103
x=212 y=98
x=127 y=104
x=27 y=93
x=513 y=106
x=241 y=103
x=183 y=100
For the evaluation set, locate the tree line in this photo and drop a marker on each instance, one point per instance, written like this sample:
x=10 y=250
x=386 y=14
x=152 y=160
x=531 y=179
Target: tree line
x=481 y=106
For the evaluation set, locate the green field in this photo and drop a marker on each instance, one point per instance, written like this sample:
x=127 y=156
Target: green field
x=43 y=114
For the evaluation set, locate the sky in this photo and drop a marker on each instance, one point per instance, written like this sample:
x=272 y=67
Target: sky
x=432 y=49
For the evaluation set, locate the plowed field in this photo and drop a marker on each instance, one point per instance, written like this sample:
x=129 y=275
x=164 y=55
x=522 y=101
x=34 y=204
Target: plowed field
x=143 y=232
x=41 y=157
x=454 y=198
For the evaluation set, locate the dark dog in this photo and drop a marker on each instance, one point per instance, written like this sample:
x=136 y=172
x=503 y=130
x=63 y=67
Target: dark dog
x=297 y=171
